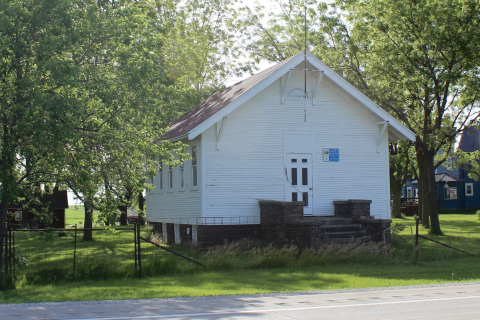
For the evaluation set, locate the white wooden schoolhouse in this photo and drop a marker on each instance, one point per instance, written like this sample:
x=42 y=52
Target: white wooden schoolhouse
x=262 y=141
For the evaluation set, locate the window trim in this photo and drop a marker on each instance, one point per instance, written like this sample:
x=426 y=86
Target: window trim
x=170 y=178
x=450 y=194
x=160 y=176
x=181 y=176
x=469 y=184
x=194 y=169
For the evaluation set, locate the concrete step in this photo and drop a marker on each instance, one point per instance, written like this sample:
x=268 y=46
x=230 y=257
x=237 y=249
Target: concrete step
x=342 y=227
x=327 y=220
x=344 y=234
x=342 y=241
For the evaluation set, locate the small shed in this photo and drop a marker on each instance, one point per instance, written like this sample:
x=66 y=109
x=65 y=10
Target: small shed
x=22 y=216
x=294 y=133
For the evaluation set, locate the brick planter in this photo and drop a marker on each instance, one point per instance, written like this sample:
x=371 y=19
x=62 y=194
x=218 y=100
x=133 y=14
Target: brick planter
x=352 y=208
x=274 y=217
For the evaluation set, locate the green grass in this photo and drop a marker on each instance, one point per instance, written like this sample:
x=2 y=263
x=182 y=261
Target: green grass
x=75 y=215
x=461 y=231
x=326 y=277
x=105 y=267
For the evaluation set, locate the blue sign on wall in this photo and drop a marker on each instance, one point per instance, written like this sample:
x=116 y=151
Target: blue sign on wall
x=331 y=155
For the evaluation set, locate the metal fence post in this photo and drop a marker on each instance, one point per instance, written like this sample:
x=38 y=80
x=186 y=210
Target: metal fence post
x=139 y=252
x=13 y=238
x=10 y=251
x=135 y=243
x=75 y=250
x=416 y=232
x=415 y=253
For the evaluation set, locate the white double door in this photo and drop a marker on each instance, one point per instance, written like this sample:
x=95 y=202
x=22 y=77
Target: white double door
x=299 y=180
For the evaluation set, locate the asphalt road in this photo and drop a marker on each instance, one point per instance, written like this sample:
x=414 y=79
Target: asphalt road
x=452 y=301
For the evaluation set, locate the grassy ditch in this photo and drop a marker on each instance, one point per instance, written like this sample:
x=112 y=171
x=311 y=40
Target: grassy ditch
x=228 y=282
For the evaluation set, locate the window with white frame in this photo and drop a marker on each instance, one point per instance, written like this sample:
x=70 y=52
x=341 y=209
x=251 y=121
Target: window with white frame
x=194 y=167
x=415 y=192
x=170 y=177
x=160 y=176
x=181 y=178
x=450 y=193
x=469 y=189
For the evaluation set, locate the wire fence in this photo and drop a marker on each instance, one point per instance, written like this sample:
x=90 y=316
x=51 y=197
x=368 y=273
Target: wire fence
x=46 y=255
x=167 y=247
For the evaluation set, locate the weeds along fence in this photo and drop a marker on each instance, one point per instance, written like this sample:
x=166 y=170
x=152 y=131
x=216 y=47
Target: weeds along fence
x=47 y=255
x=450 y=246
x=180 y=247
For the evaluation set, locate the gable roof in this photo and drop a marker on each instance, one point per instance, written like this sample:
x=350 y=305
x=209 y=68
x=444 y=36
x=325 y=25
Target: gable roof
x=470 y=140
x=220 y=104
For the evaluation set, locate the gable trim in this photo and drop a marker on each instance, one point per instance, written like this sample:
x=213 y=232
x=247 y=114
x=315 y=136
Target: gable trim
x=398 y=129
x=244 y=97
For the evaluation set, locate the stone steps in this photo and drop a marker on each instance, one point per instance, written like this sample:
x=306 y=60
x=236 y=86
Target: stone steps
x=337 y=230
x=341 y=241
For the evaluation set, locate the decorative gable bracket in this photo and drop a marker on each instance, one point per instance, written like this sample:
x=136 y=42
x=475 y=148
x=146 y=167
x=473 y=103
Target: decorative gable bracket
x=381 y=132
x=284 y=85
x=317 y=85
x=219 y=129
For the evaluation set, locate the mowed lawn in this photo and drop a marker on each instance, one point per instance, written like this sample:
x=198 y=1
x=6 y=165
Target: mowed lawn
x=74 y=215
x=436 y=264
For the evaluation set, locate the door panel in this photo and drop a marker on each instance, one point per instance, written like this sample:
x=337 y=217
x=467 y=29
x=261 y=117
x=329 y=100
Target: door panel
x=298 y=180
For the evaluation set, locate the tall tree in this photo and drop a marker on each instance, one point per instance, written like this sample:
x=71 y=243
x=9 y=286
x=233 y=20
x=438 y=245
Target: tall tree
x=82 y=85
x=38 y=101
x=417 y=59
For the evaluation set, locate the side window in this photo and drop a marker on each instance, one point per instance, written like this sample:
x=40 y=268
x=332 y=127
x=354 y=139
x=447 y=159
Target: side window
x=469 y=189
x=170 y=177
x=194 y=167
x=450 y=193
x=181 y=178
x=160 y=176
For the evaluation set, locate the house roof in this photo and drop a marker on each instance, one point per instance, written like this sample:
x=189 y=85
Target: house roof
x=470 y=140
x=441 y=177
x=216 y=102
x=220 y=104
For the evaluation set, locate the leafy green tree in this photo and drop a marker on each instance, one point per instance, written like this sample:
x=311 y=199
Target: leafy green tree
x=417 y=59
x=39 y=103
x=82 y=97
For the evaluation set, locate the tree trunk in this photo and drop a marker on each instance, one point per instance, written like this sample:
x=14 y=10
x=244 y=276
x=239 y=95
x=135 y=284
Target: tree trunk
x=87 y=232
x=426 y=166
x=423 y=204
x=123 y=215
x=396 y=203
x=432 y=197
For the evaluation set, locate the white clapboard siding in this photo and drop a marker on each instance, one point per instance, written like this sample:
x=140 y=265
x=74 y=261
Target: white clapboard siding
x=248 y=162
x=177 y=203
